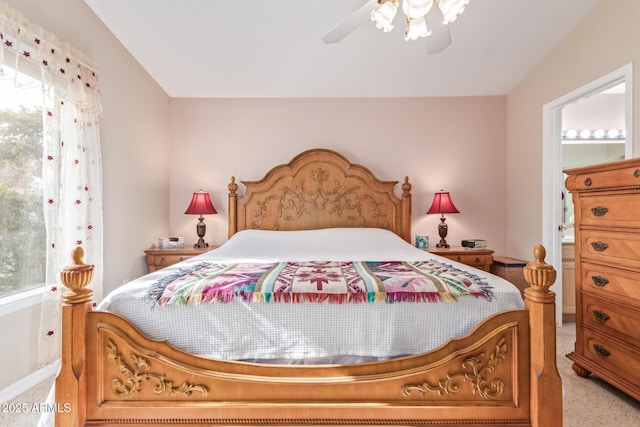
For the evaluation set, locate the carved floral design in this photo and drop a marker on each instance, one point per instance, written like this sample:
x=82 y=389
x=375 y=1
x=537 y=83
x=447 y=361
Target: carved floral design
x=476 y=371
x=301 y=199
x=135 y=376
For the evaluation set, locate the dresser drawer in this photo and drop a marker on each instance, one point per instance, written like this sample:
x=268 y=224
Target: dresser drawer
x=611 y=318
x=611 y=210
x=608 y=282
x=621 y=177
x=618 y=358
x=612 y=248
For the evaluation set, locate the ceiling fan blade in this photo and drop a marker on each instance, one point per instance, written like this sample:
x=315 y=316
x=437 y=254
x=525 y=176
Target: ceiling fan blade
x=440 y=37
x=351 y=23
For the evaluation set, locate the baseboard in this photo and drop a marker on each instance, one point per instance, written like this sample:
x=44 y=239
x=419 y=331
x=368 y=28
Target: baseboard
x=15 y=389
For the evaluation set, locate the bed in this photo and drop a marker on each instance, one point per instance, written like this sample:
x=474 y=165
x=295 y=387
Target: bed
x=311 y=347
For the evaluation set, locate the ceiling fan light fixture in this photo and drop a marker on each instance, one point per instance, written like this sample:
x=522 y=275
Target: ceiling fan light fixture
x=384 y=15
x=451 y=9
x=416 y=29
x=416 y=8
x=422 y=17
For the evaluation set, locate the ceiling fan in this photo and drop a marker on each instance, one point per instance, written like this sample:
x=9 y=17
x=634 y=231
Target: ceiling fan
x=423 y=20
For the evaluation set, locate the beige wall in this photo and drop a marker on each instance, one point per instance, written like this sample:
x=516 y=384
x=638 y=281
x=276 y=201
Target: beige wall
x=135 y=140
x=456 y=144
x=606 y=40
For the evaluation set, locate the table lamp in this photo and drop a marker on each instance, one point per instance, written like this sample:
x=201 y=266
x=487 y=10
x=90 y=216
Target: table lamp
x=442 y=204
x=201 y=205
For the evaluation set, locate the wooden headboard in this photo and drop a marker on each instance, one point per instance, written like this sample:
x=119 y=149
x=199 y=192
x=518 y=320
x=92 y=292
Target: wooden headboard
x=320 y=188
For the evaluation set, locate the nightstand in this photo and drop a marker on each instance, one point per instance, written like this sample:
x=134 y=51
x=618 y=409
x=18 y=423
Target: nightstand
x=160 y=258
x=478 y=258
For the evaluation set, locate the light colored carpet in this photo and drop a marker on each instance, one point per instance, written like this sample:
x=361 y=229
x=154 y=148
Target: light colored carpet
x=13 y=414
x=587 y=402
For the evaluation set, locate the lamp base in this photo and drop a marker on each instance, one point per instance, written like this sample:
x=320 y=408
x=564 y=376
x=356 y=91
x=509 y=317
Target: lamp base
x=201 y=244
x=443 y=228
x=201 y=230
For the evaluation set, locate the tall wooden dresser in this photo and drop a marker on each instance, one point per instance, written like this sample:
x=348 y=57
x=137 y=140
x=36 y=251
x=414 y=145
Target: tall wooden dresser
x=607 y=261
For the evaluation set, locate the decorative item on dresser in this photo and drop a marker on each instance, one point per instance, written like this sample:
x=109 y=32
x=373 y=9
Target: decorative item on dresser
x=201 y=205
x=442 y=204
x=606 y=201
x=161 y=258
x=478 y=258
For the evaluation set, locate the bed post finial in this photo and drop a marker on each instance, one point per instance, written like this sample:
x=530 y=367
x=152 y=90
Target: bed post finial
x=233 y=206
x=546 y=385
x=71 y=386
x=76 y=277
x=406 y=210
x=540 y=275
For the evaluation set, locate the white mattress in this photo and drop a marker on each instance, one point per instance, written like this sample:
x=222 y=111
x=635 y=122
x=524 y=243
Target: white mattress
x=309 y=332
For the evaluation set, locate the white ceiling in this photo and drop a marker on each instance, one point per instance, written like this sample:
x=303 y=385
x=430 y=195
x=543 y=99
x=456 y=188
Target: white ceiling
x=273 y=48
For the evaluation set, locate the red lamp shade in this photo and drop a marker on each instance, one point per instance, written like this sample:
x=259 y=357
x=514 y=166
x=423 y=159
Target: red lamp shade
x=442 y=204
x=201 y=205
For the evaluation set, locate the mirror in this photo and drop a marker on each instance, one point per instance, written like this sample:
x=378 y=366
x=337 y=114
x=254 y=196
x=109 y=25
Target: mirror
x=593 y=131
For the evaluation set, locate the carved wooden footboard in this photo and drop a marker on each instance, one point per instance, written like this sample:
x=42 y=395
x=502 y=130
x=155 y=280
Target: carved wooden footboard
x=503 y=373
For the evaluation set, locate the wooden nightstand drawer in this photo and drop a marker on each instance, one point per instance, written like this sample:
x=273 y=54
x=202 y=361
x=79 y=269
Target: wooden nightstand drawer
x=166 y=260
x=474 y=260
x=478 y=258
x=160 y=258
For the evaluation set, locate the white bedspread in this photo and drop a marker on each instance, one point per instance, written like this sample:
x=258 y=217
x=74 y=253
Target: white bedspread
x=311 y=332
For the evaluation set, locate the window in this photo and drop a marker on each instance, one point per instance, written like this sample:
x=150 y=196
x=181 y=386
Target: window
x=22 y=227
x=52 y=174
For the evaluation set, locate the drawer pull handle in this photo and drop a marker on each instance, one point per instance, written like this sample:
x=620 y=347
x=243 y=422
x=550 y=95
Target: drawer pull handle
x=637 y=173
x=477 y=260
x=601 y=316
x=599 y=210
x=601 y=350
x=599 y=280
x=162 y=260
x=599 y=246
x=182 y=258
x=587 y=182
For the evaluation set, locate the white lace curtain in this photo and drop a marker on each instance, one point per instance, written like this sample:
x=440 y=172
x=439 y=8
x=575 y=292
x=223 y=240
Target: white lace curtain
x=72 y=171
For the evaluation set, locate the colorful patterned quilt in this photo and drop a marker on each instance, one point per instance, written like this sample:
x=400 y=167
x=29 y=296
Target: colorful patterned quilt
x=317 y=282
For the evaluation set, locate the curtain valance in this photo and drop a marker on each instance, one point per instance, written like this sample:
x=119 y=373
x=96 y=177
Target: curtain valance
x=31 y=50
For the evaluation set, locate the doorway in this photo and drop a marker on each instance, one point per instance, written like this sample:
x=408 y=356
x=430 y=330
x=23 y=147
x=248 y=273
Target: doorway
x=553 y=203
